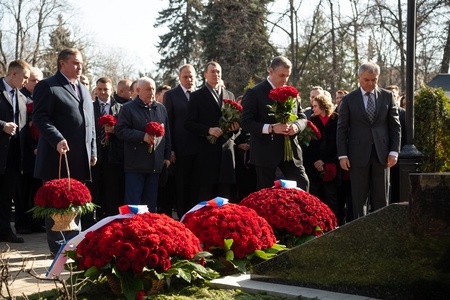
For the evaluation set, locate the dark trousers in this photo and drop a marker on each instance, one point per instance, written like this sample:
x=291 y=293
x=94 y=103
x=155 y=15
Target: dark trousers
x=266 y=175
x=24 y=200
x=185 y=183
x=142 y=189
x=210 y=191
x=107 y=188
x=374 y=178
x=167 y=192
x=8 y=181
x=327 y=193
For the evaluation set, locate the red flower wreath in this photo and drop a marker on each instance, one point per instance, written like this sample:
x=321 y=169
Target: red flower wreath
x=231 y=224
x=155 y=129
x=132 y=248
x=294 y=215
x=109 y=120
x=55 y=196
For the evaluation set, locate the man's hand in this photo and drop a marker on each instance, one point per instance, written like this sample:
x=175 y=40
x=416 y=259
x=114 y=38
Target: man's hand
x=93 y=161
x=215 y=131
x=149 y=139
x=167 y=162
x=292 y=129
x=319 y=165
x=10 y=128
x=109 y=129
x=173 y=157
x=392 y=161
x=345 y=163
x=235 y=126
x=62 y=147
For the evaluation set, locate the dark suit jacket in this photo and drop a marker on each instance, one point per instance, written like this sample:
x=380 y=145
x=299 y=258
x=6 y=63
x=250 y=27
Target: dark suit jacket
x=6 y=115
x=59 y=114
x=355 y=133
x=214 y=162
x=176 y=103
x=113 y=151
x=133 y=120
x=265 y=151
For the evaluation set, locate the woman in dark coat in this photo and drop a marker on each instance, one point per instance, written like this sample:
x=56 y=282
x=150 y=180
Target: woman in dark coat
x=320 y=157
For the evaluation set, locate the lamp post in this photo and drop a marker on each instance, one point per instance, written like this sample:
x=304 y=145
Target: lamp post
x=410 y=158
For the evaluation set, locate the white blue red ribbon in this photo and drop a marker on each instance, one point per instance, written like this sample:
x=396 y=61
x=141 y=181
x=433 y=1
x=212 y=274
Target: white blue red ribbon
x=57 y=266
x=285 y=183
x=216 y=202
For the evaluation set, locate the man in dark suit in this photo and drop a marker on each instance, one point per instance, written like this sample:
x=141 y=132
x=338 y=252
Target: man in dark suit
x=13 y=117
x=28 y=185
x=267 y=136
x=368 y=139
x=63 y=114
x=214 y=162
x=108 y=178
x=183 y=150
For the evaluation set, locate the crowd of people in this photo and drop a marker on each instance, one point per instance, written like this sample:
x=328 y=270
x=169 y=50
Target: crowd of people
x=194 y=159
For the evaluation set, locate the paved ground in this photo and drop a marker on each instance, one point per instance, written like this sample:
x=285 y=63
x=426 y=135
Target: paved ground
x=34 y=255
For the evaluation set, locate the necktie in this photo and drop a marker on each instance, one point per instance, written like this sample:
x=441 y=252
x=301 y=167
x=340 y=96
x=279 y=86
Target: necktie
x=102 y=108
x=370 y=110
x=188 y=94
x=103 y=132
x=12 y=94
x=75 y=89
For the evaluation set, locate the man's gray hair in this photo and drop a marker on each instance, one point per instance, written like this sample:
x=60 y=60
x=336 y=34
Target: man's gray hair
x=280 y=61
x=145 y=79
x=370 y=67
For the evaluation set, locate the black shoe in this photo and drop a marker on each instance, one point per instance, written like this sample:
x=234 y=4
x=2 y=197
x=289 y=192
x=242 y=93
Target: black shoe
x=11 y=238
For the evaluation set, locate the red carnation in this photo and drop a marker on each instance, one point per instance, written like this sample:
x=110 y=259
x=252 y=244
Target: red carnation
x=154 y=129
x=282 y=94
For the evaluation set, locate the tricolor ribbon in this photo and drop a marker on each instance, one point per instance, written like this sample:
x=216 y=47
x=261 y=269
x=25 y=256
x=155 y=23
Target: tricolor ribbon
x=57 y=266
x=287 y=184
x=216 y=202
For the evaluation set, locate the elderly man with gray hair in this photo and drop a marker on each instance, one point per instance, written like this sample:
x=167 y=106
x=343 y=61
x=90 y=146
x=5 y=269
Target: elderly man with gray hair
x=143 y=167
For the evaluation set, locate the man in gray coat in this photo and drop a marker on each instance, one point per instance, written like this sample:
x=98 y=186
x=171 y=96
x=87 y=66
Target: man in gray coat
x=368 y=139
x=63 y=114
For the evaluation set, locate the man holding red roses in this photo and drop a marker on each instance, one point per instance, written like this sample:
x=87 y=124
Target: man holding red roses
x=214 y=162
x=108 y=179
x=143 y=167
x=267 y=136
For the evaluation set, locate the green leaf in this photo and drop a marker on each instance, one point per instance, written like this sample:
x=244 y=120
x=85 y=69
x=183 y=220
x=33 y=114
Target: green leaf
x=93 y=272
x=264 y=255
x=227 y=244
x=239 y=264
x=229 y=255
x=130 y=284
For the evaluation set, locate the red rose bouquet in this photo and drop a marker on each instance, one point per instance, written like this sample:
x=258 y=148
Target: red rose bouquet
x=140 y=251
x=231 y=112
x=311 y=132
x=285 y=98
x=329 y=172
x=59 y=196
x=109 y=120
x=154 y=129
x=295 y=215
x=234 y=234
